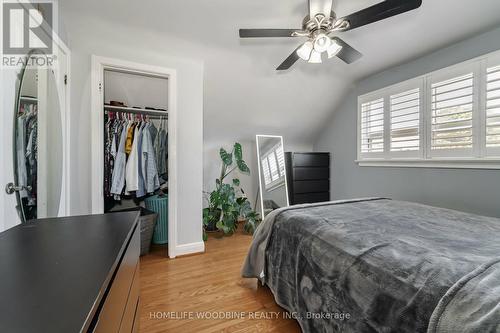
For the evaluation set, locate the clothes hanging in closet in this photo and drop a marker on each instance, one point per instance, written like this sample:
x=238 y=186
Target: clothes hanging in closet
x=131 y=166
x=161 y=149
x=118 y=171
x=149 y=164
x=27 y=151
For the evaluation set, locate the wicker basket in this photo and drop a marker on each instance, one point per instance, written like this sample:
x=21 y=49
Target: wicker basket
x=147 y=222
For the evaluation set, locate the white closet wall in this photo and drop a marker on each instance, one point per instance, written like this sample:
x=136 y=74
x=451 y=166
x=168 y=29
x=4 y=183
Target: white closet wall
x=135 y=90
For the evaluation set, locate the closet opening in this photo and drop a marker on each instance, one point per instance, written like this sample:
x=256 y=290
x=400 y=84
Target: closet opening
x=135 y=141
x=134 y=146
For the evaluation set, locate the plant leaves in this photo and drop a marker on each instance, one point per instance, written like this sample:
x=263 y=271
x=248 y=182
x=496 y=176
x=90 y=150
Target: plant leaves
x=206 y=216
x=238 y=151
x=226 y=157
x=242 y=166
x=219 y=225
x=215 y=198
x=236 y=182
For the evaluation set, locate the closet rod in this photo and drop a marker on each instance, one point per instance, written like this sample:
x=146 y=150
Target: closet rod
x=136 y=110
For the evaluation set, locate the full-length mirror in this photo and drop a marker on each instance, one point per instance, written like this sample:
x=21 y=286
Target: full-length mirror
x=272 y=173
x=37 y=145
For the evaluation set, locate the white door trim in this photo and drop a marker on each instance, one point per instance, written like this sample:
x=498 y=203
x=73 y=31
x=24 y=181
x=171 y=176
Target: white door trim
x=99 y=64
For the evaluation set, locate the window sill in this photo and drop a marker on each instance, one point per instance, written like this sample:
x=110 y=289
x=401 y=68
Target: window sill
x=478 y=163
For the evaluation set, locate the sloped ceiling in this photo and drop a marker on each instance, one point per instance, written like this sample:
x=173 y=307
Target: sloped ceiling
x=244 y=95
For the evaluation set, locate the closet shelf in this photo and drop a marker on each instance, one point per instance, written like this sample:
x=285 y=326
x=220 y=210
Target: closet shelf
x=136 y=110
x=29 y=99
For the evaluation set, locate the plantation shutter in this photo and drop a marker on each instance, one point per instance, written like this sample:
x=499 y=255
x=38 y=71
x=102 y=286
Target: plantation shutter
x=405 y=121
x=372 y=126
x=266 y=172
x=452 y=112
x=274 y=166
x=281 y=160
x=493 y=107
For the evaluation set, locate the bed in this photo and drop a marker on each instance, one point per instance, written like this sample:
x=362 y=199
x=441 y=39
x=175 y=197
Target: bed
x=380 y=265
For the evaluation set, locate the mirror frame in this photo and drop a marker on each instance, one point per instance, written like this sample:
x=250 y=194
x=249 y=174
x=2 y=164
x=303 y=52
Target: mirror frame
x=260 y=170
x=62 y=54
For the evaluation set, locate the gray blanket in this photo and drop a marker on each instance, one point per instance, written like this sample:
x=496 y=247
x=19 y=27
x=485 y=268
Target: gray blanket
x=377 y=265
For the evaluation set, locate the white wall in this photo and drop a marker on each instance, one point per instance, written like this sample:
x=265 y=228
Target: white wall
x=129 y=44
x=135 y=90
x=54 y=158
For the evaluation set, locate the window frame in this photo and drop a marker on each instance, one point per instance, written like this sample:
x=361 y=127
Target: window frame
x=477 y=157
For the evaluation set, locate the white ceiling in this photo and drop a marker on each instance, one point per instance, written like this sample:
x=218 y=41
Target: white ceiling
x=244 y=95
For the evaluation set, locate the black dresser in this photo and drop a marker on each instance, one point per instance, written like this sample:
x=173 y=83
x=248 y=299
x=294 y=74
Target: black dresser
x=308 y=177
x=71 y=274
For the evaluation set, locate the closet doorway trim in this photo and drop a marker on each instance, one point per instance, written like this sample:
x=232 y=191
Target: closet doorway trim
x=99 y=65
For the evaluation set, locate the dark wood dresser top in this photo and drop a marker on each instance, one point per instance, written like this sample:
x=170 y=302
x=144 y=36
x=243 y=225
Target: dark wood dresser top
x=54 y=272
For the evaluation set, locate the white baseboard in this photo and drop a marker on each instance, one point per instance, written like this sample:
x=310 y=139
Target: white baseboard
x=189 y=248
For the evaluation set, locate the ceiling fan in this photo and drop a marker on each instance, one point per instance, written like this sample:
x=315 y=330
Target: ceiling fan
x=321 y=26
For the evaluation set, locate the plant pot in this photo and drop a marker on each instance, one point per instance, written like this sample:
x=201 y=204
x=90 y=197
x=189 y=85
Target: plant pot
x=211 y=226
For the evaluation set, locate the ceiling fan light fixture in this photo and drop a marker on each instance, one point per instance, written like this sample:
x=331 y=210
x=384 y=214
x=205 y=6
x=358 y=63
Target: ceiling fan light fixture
x=333 y=49
x=304 y=52
x=321 y=43
x=315 y=57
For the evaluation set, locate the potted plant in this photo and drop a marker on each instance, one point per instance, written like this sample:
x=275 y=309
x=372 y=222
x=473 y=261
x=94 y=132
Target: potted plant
x=227 y=203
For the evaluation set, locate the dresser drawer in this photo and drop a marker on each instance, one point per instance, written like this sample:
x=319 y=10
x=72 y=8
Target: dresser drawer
x=311 y=198
x=311 y=173
x=131 y=310
x=311 y=186
x=112 y=313
x=311 y=160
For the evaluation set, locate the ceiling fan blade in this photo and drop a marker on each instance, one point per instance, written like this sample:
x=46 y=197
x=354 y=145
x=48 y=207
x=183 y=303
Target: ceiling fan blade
x=292 y=59
x=379 y=12
x=347 y=54
x=255 y=33
x=320 y=7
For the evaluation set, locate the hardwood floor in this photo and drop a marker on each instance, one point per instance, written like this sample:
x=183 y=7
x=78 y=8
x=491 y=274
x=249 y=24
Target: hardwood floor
x=208 y=284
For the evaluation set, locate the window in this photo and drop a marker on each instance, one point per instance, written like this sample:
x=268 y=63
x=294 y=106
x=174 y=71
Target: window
x=405 y=121
x=452 y=106
x=372 y=126
x=448 y=118
x=493 y=107
x=273 y=167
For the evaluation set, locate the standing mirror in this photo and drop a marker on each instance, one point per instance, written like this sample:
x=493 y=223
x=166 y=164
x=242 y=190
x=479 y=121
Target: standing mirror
x=38 y=146
x=272 y=173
